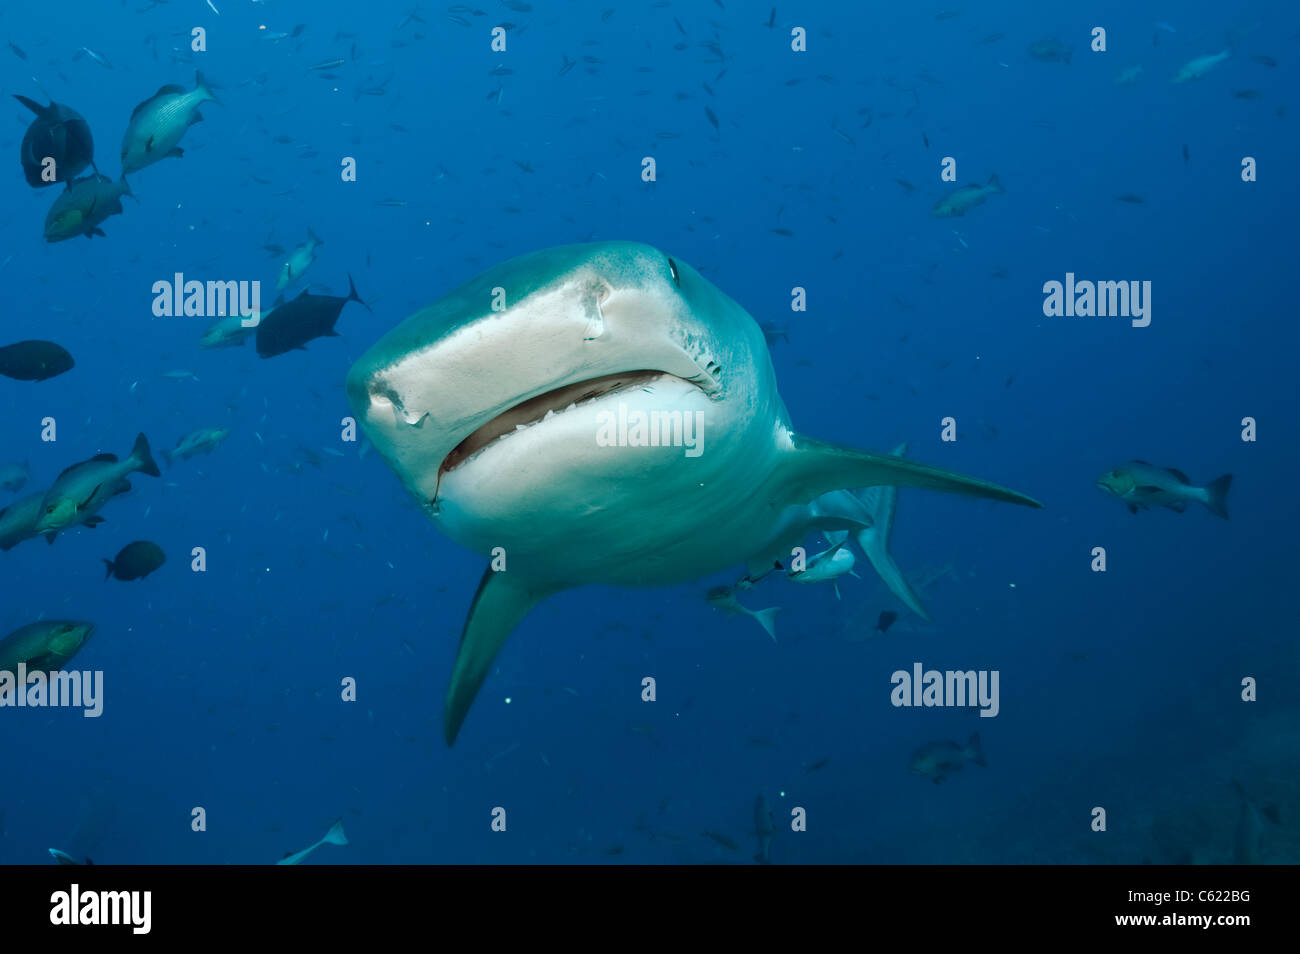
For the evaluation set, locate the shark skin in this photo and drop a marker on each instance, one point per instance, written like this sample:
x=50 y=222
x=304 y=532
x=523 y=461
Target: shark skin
x=488 y=403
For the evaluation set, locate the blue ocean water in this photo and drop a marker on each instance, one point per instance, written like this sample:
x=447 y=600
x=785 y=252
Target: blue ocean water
x=776 y=169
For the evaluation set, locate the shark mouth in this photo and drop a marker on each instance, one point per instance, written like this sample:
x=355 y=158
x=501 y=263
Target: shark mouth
x=535 y=409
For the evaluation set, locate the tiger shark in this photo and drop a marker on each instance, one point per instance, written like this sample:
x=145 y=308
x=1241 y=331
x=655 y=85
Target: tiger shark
x=493 y=406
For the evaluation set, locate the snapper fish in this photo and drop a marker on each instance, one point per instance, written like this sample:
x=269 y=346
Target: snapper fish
x=1142 y=486
x=158 y=124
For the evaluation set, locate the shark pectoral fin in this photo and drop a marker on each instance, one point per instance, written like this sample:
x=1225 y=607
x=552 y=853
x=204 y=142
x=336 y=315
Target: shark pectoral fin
x=876 y=547
x=811 y=468
x=503 y=599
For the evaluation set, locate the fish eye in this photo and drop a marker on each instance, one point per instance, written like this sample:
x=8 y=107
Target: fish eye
x=672 y=267
x=50 y=509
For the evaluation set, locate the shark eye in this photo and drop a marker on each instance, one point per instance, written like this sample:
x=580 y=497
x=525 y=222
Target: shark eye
x=672 y=267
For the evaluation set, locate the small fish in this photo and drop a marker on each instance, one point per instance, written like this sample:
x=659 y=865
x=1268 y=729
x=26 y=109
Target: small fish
x=158 y=124
x=95 y=56
x=962 y=200
x=906 y=186
x=202 y=441
x=335 y=836
x=886 y=620
x=724 y=598
x=135 y=561
x=1142 y=486
x=1260 y=58
x=63 y=858
x=1247 y=94
x=34 y=360
x=213 y=7
x=722 y=840
x=1187 y=155
x=18 y=51
x=46 y=645
x=1197 y=68
x=14 y=476
x=713 y=120
x=328 y=64
x=1050 y=50
x=1130 y=197
x=1128 y=75
x=179 y=375
x=816 y=766
x=786 y=232
x=937 y=760
x=299 y=260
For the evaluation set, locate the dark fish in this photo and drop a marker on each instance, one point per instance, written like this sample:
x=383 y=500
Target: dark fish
x=60 y=133
x=1261 y=59
x=1187 y=156
x=135 y=561
x=712 y=118
x=772 y=333
x=906 y=186
x=771 y=18
x=1130 y=197
x=886 y=620
x=819 y=764
x=1051 y=50
x=18 y=52
x=304 y=319
x=722 y=840
x=84 y=206
x=34 y=360
x=925 y=139
x=993 y=37
x=785 y=232
x=1247 y=94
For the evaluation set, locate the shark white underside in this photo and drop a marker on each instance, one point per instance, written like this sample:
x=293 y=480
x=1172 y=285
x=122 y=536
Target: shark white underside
x=491 y=419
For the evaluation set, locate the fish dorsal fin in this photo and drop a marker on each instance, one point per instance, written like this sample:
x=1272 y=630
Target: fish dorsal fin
x=34 y=106
x=106 y=458
x=809 y=468
x=1179 y=474
x=502 y=600
x=169 y=89
x=1142 y=462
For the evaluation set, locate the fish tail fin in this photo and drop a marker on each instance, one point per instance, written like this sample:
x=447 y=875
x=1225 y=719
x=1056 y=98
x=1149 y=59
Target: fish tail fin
x=1216 y=496
x=335 y=835
x=144 y=458
x=313 y=237
x=34 y=106
x=108 y=568
x=205 y=91
x=995 y=184
x=353 y=296
x=976 y=749
x=767 y=619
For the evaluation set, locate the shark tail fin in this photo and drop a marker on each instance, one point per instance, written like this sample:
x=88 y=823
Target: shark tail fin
x=335 y=835
x=767 y=619
x=144 y=458
x=1216 y=496
x=995 y=185
x=501 y=602
x=811 y=468
x=353 y=296
x=108 y=568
